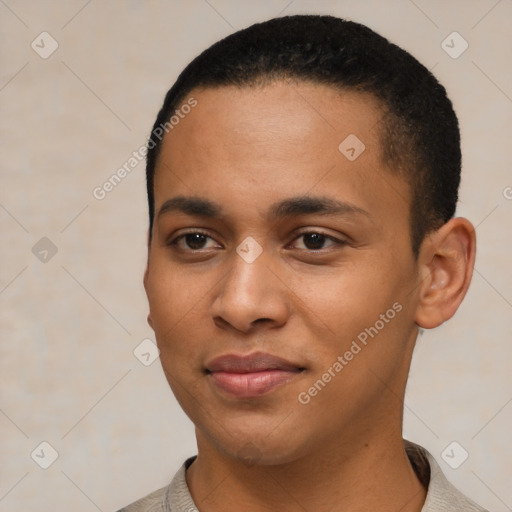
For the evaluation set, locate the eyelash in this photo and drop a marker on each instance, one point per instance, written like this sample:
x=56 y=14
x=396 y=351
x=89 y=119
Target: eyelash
x=338 y=242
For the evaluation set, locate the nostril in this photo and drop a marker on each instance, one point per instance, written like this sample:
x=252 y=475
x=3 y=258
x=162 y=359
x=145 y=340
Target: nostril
x=259 y=320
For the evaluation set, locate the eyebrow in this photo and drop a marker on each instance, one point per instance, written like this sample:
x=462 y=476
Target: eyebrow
x=293 y=206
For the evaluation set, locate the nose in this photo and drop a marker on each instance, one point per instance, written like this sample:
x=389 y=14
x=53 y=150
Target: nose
x=250 y=294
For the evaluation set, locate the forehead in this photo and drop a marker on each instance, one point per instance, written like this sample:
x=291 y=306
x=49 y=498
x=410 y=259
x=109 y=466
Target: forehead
x=258 y=143
x=288 y=109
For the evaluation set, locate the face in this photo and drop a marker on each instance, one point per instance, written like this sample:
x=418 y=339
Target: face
x=288 y=257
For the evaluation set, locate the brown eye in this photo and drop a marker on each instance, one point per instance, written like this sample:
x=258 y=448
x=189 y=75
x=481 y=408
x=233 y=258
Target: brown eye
x=315 y=240
x=190 y=242
x=195 y=240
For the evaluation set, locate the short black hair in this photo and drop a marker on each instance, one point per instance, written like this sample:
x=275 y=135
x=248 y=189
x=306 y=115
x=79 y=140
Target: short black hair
x=419 y=131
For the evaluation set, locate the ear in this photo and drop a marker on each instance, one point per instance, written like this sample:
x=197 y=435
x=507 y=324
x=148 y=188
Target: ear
x=145 y=279
x=446 y=260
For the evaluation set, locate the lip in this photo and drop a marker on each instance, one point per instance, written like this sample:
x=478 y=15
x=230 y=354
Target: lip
x=250 y=376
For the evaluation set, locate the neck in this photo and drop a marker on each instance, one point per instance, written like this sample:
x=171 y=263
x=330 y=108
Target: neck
x=371 y=472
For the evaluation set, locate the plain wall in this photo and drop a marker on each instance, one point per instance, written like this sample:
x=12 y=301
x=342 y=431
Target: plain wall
x=69 y=325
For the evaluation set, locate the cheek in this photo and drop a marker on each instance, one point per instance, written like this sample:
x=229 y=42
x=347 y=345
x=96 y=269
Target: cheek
x=175 y=301
x=358 y=313
x=172 y=292
x=346 y=299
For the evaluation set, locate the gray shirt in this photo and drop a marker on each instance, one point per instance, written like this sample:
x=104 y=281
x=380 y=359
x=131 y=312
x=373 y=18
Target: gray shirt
x=442 y=496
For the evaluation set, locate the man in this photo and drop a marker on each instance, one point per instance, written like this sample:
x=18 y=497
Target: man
x=302 y=181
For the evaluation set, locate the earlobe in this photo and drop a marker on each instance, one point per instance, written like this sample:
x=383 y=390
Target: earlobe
x=446 y=258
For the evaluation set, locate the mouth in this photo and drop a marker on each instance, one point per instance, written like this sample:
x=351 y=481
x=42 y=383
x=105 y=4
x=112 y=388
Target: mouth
x=250 y=376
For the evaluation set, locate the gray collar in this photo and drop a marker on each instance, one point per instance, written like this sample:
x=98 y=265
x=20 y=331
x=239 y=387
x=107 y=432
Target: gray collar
x=442 y=496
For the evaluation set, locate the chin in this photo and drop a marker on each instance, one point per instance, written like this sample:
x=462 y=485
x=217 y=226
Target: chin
x=257 y=448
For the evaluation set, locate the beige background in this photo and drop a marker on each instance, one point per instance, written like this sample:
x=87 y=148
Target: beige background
x=69 y=325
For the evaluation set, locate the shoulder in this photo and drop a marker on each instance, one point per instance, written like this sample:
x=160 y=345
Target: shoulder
x=442 y=496
x=150 y=503
x=175 y=496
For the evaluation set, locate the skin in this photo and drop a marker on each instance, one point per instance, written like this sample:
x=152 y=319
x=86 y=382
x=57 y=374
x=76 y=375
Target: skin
x=246 y=149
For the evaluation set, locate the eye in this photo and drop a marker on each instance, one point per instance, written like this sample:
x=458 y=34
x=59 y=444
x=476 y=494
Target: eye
x=195 y=241
x=315 y=240
x=191 y=241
